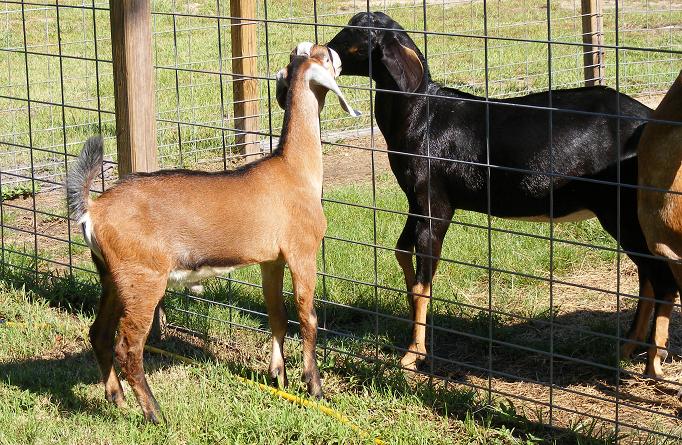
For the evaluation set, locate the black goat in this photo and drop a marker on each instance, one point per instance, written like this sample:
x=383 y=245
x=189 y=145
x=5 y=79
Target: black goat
x=542 y=162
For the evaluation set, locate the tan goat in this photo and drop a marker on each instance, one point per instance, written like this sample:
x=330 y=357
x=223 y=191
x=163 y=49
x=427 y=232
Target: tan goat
x=660 y=213
x=183 y=226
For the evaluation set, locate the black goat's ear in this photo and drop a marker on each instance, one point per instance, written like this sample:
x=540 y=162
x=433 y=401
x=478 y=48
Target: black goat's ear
x=282 y=87
x=403 y=64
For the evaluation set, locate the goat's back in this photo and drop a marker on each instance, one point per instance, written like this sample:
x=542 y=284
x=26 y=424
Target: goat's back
x=185 y=219
x=580 y=137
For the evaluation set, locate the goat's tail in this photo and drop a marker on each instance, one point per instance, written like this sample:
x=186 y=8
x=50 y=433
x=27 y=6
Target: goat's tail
x=81 y=175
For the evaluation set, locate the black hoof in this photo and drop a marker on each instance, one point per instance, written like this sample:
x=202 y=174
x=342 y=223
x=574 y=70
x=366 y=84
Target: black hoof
x=155 y=415
x=115 y=397
x=278 y=378
x=151 y=418
x=314 y=384
x=315 y=392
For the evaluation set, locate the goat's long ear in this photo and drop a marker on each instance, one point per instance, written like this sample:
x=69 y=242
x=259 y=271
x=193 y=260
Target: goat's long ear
x=403 y=64
x=336 y=61
x=322 y=77
x=282 y=88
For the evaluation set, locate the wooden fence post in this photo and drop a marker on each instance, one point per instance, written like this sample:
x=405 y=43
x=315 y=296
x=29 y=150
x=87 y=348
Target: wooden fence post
x=244 y=68
x=593 y=38
x=131 y=47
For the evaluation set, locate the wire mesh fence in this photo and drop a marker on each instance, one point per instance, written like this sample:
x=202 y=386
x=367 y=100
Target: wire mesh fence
x=525 y=318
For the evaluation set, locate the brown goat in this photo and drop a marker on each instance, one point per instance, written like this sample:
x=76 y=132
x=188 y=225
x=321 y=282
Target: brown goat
x=182 y=226
x=660 y=213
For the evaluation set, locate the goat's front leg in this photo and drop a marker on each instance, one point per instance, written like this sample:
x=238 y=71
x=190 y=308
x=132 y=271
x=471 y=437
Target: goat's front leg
x=404 y=253
x=429 y=236
x=272 y=274
x=304 y=277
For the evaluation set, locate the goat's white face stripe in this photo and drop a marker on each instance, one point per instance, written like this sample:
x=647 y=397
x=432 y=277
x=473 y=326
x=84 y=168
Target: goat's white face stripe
x=319 y=75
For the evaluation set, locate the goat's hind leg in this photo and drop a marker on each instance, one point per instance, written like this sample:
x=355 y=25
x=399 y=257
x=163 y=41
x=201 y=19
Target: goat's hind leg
x=645 y=307
x=666 y=292
x=103 y=334
x=273 y=274
x=139 y=299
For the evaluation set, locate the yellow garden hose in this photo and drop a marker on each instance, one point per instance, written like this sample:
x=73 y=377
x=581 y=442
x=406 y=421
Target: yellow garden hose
x=274 y=391
x=279 y=393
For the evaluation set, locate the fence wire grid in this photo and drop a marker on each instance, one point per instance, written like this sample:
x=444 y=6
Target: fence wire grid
x=527 y=313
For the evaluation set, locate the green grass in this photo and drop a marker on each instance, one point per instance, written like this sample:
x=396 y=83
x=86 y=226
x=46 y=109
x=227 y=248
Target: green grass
x=48 y=375
x=49 y=385
x=19 y=191
x=376 y=395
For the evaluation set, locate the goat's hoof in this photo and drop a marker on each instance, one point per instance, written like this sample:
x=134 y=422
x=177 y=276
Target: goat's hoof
x=654 y=371
x=411 y=361
x=116 y=397
x=155 y=416
x=408 y=366
x=151 y=417
x=279 y=378
x=627 y=351
x=315 y=390
x=314 y=384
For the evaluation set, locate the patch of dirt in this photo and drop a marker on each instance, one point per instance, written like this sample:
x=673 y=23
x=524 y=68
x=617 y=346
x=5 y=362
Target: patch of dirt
x=650 y=100
x=353 y=164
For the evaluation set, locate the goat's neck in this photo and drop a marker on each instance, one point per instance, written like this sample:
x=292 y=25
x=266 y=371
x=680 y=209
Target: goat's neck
x=301 y=145
x=391 y=107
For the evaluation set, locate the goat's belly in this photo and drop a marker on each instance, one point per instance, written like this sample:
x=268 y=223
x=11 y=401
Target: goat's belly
x=180 y=277
x=580 y=215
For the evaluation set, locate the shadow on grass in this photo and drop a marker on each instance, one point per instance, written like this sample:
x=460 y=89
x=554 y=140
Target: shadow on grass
x=57 y=377
x=459 y=342
x=465 y=404
x=584 y=343
x=460 y=357
x=463 y=352
x=75 y=294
